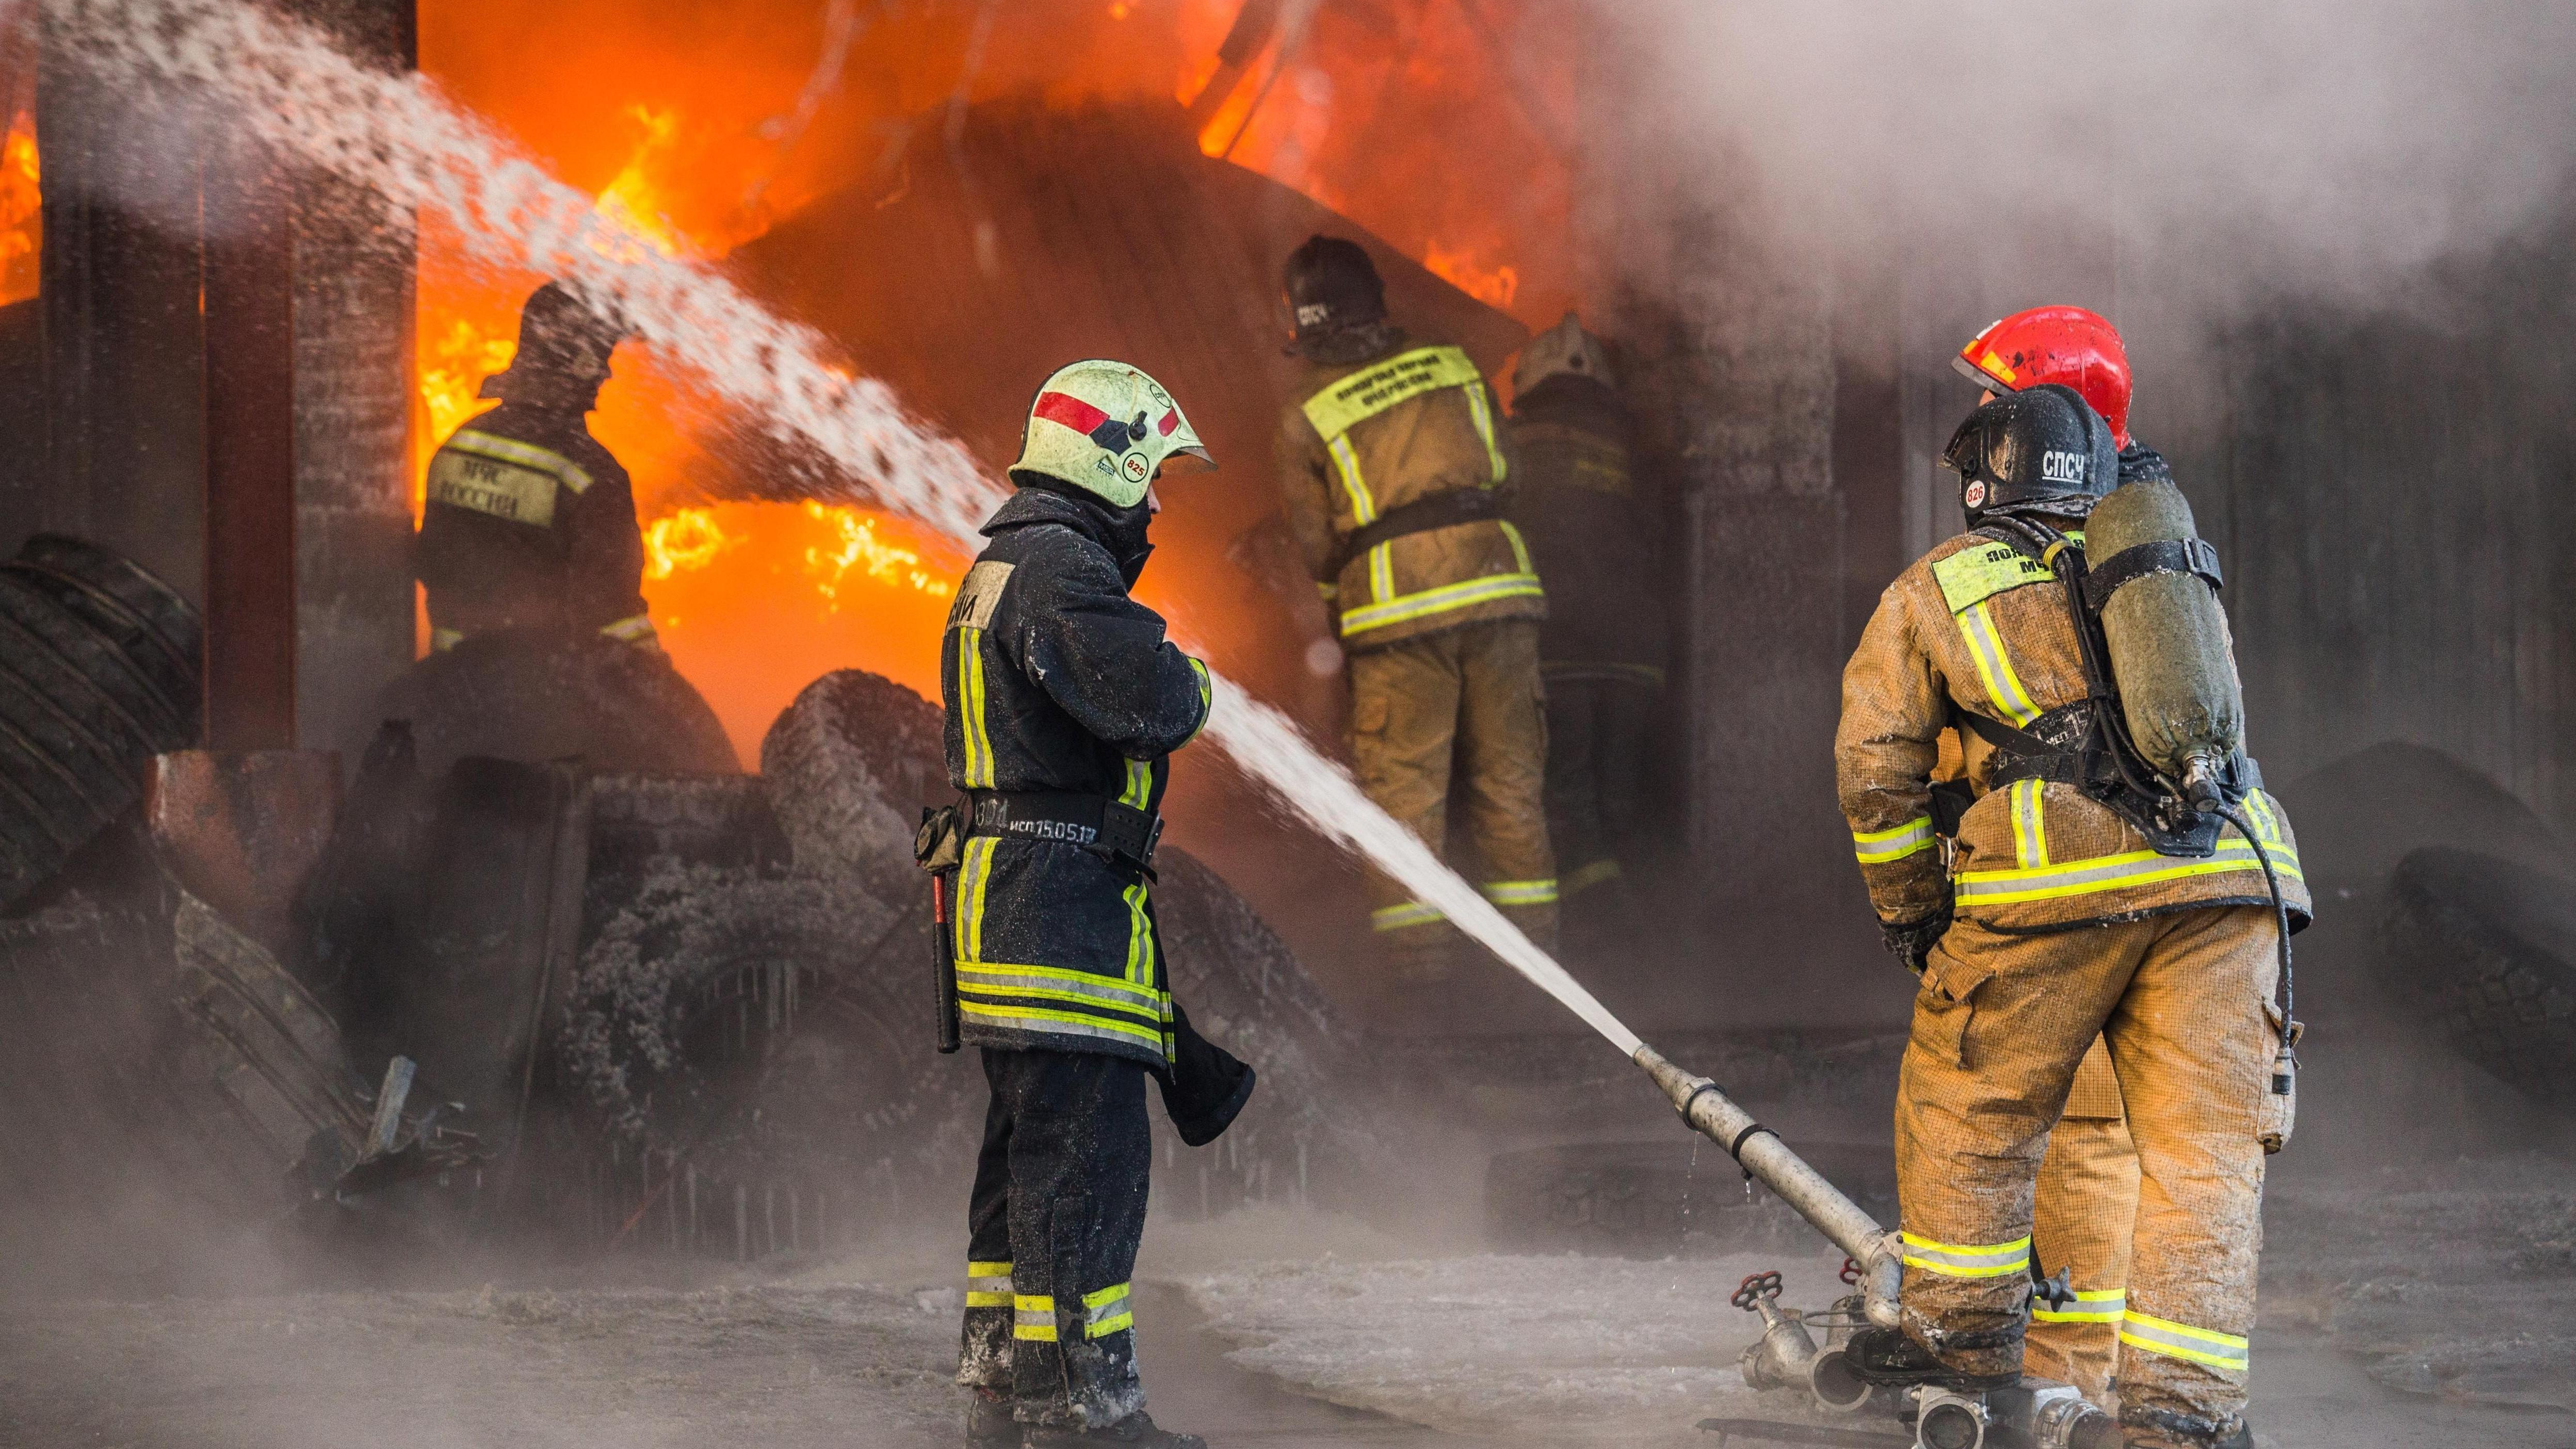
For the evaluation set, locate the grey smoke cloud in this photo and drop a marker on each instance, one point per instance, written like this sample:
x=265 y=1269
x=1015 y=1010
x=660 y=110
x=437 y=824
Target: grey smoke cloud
x=2318 y=145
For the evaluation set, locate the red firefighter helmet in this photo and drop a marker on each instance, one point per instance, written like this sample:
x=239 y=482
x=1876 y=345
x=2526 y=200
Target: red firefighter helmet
x=2069 y=346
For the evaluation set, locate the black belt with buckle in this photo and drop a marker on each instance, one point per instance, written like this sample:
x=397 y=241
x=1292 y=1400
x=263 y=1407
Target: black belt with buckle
x=1093 y=822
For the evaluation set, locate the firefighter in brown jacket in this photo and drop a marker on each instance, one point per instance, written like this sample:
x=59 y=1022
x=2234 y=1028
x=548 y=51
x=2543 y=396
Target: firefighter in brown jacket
x=1394 y=467
x=2050 y=918
x=2088 y=1183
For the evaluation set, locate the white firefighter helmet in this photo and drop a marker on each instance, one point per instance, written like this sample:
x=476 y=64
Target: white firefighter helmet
x=1106 y=427
x=1564 y=350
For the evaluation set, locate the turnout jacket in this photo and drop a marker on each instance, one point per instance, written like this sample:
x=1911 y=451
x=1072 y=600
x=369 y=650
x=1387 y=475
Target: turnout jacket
x=1056 y=680
x=1363 y=439
x=530 y=524
x=1976 y=627
x=1575 y=501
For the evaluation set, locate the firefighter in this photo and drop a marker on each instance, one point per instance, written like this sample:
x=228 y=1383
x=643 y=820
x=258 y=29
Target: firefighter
x=1394 y=467
x=2056 y=919
x=530 y=523
x=2088 y=1182
x=1602 y=647
x=1065 y=701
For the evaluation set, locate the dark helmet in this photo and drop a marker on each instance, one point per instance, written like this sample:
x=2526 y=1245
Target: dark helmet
x=562 y=340
x=1332 y=285
x=2040 y=450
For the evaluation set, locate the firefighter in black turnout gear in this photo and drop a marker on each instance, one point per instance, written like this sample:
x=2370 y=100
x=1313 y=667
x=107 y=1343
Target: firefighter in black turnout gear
x=1064 y=703
x=529 y=523
x=1603 y=647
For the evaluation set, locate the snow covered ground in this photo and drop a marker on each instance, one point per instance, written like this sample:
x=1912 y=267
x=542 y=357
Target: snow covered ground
x=2398 y=1314
x=1565 y=1348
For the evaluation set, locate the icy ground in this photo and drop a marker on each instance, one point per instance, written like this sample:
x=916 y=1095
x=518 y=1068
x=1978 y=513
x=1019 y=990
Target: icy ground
x=1589 y=1349
x=2398 y=1314
x=768 y=1365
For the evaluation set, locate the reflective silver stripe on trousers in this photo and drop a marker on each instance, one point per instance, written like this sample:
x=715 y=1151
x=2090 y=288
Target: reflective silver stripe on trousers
x=2181 y=1340
x=1955 y=1261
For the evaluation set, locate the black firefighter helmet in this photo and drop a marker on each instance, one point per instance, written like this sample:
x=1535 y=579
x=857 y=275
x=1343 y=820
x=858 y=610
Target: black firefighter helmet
x=2040 y=450
x=1332 y=287
x=564 y=343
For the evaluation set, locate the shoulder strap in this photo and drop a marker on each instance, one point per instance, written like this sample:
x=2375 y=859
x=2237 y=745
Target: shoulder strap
x=2162 y=556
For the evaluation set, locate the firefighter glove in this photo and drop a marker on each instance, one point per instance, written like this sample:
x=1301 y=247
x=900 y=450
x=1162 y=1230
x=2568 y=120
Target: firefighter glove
x=1912 y=941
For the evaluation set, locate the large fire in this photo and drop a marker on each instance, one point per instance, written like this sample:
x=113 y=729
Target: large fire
x=749 y=598
x=704 y=127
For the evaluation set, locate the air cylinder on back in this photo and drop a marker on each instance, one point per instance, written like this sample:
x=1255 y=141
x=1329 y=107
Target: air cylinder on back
x=2170 y=651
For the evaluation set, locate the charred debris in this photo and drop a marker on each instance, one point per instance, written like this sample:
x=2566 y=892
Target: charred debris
x=625 y=1000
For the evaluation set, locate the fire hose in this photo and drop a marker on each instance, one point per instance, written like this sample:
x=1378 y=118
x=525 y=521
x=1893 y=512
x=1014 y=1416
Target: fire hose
x=1767 y=1159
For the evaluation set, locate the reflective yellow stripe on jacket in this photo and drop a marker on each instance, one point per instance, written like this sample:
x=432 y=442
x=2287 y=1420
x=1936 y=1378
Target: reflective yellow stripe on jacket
x=1968 y=579
x=2043 y=881
x=1878 y=847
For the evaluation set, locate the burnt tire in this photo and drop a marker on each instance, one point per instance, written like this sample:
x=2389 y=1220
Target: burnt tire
x=530 y=696
x=850 y=764
x=2490 y=946
x=750 y=1019
x=98 y=673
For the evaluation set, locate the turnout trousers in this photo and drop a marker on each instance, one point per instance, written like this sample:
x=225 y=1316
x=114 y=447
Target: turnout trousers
x=1462 y=710
x=2000 y=1027
x=1057 y=1212
x=1596 y=781
x=2086 y=1204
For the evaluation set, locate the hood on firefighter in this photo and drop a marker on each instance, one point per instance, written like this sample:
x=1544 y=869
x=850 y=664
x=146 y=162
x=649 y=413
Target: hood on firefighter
x=1106 y=428
x=2041 y=450
x=564 y=344
x=1564 y=350
x=2071 y=346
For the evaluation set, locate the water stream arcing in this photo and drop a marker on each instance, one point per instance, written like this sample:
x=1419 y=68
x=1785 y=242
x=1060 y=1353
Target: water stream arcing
x=399 y=136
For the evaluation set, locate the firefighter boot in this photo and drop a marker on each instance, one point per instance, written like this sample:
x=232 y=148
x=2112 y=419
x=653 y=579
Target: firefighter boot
x=989 y=1424
x=1137 y=1429
x=1890 y=1358
x=2164 y=1426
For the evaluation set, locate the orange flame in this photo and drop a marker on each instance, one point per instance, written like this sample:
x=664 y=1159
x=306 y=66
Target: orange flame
x=1494 y=286
x=22 y=216
x=860 y=548
x=633 y=202
x=684 y=542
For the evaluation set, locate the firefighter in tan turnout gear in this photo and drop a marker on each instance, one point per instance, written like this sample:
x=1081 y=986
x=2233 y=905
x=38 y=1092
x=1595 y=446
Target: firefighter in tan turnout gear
x=2078 y=897
x=1394 y=467
x=2088 y=1183
x=529 y=522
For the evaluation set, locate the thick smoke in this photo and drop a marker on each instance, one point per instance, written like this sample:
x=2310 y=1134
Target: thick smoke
x=2315 y=147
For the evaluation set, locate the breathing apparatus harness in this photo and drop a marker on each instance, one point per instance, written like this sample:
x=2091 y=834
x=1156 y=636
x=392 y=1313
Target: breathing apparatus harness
x=2087 y=744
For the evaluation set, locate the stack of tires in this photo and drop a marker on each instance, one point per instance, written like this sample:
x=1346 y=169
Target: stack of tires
x=2491 y=944
x=98 y=673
